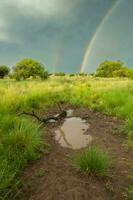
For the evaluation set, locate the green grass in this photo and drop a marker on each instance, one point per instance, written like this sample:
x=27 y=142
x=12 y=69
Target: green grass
x=20 y=138
x=129 y=193
x=92 y=161
x=129 y=126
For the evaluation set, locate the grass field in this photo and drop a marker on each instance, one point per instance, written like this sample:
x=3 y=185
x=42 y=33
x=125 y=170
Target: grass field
x=20 y=137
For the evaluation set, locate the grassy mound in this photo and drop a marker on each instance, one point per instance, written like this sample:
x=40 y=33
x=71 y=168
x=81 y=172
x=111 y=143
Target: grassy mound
x=92 y=161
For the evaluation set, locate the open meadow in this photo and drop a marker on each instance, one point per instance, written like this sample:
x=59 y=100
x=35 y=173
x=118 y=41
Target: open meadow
x=23 y=140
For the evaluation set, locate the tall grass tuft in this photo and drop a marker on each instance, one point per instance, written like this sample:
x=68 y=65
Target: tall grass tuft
x=92 y=161
x=20 y=141
x=129 y=125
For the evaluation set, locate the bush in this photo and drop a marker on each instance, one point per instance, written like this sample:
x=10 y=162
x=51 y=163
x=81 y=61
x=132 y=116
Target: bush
x=107 y=68
x=4 y=70
x=113 y=69
x=71 y=75
x=92 y=161
x=60 y=74
x=121 y=72
x=130 y=73
x=82 y=74
x=27 y=68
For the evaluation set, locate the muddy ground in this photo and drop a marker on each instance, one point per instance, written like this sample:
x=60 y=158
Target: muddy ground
x=53 y=177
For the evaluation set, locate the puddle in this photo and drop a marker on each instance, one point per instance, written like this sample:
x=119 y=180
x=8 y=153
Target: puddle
x=72 y=134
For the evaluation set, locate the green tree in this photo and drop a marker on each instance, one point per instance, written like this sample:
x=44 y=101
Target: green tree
x=29 y=68
x=130 y=73
x=123 y=72
x=4 y=70
x=107 y=68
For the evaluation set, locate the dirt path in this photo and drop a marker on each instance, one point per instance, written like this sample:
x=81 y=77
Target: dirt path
x=54 y=178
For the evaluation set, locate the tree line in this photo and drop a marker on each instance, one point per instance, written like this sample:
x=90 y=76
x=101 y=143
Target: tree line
x=27 y=68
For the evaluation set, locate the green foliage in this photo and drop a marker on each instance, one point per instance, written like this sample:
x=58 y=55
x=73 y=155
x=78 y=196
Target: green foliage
x=82 y=74
x=59 y=74
x=29 y=68
x=121 y=72
x=92 y=161
x=111 y=96
x=130 y=73
x=71 y=75
x=19 y=141
x=108 y=68
x=113 y=69
x=129 y=128
x=4 y=70
x=129 y=193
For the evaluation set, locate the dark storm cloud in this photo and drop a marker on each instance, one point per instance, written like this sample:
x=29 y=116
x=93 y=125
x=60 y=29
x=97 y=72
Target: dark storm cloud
x=54 y=32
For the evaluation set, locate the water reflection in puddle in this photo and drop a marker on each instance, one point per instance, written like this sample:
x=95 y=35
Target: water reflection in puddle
x=72 y=133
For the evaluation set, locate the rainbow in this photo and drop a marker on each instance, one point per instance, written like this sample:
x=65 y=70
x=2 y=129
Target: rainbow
x=92 y=41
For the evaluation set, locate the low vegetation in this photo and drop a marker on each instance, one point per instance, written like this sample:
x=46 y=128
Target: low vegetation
x=129 y=194
x=92 y=161
x=20 y=137
x=4 y=71
x=109 y=96
x=20 y=143
x=113 y=69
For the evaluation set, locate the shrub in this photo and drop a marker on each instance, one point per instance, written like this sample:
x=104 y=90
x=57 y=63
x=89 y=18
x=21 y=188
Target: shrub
x=130 y=73
x=107 y=68
x=71 y=75
x=92 y=161
x=59 y=74
x=4 y=70
x=121 y=72
x=82 y=74
x=27 y=68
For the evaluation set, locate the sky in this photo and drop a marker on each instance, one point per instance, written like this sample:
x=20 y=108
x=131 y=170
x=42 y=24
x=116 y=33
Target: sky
x=58 y=33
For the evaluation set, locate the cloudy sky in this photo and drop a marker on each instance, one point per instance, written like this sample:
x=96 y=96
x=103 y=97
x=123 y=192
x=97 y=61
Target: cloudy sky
x=58 y=32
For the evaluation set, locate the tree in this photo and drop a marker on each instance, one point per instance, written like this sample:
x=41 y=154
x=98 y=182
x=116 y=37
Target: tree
x=130 y=73
x=4 y=70
x=123 y=72
x=107 y=68
x=29 y=68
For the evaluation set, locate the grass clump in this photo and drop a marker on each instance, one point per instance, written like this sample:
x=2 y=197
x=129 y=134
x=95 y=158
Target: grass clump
x=20 y=142
x=92 y=161
x=129 y=193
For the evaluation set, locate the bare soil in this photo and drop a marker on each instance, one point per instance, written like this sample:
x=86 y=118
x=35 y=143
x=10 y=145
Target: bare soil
x=53 y=177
